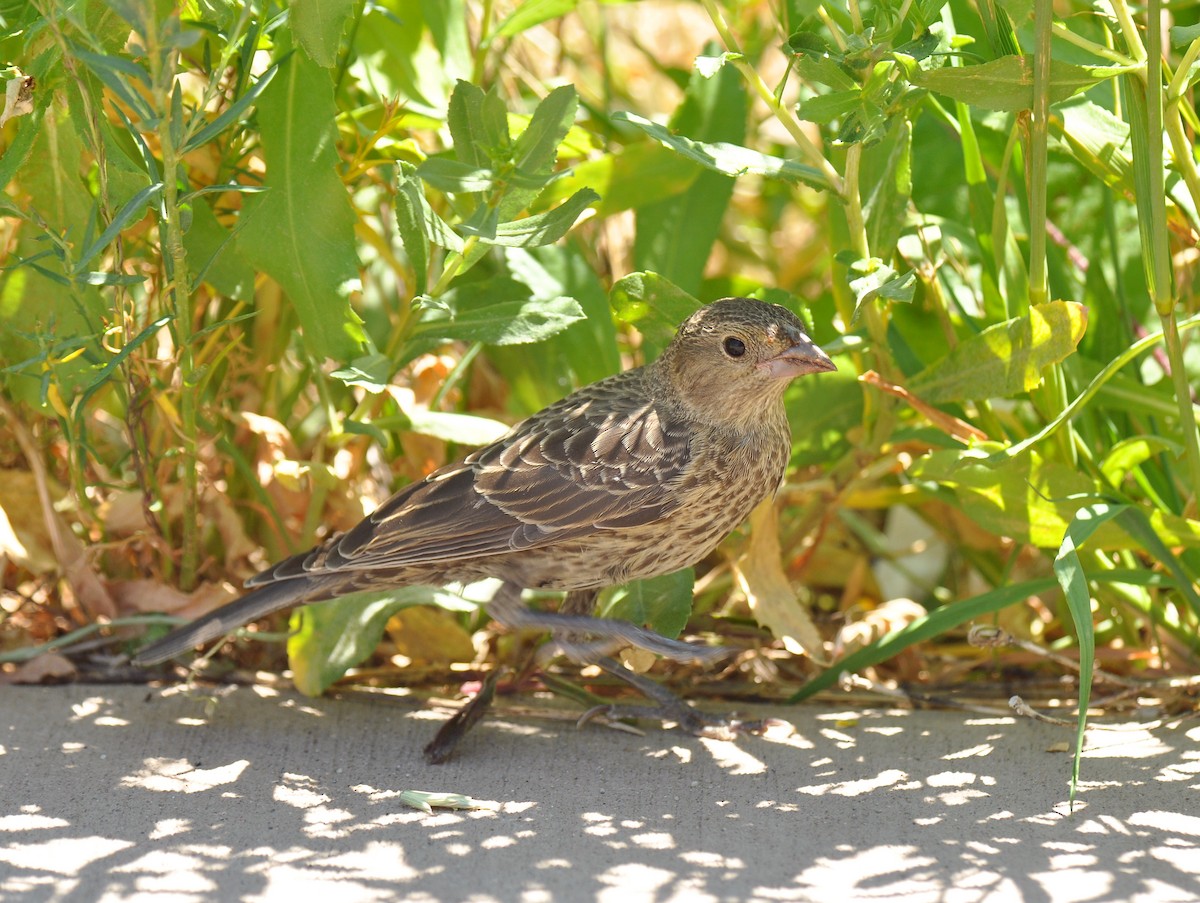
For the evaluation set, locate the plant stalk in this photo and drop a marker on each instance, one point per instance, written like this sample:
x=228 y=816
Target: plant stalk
x=163 y=64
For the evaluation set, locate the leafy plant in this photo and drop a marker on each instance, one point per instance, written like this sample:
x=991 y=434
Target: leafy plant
x=264 y=263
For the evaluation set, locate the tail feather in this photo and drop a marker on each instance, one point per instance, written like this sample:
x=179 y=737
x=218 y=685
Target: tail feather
x=250 y=607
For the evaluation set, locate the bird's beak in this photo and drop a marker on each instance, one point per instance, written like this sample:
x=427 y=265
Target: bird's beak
x=803 y=357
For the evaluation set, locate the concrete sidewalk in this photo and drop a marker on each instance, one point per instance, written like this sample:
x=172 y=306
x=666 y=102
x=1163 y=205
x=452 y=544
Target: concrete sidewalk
x=128 y=793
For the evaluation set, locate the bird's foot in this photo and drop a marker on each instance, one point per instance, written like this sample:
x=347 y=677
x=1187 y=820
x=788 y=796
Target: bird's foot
x=442 y=746
x=696 y=723
x=665 y=706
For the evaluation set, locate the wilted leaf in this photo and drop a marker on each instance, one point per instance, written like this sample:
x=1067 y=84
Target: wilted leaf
x=1005 y=359
x=24 y=539
x=45 y=668
x=760 y=575
x=153 y=595
x=426 y=800
x=427 y=634
x=875 y=624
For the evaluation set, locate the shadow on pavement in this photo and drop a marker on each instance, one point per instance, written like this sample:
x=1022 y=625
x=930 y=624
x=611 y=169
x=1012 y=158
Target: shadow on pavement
x=118 y=792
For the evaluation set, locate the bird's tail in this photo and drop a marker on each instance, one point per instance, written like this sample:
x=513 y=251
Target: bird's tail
x=250 y=607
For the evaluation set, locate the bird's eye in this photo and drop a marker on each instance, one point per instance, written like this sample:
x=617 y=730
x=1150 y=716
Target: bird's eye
x=734 y=346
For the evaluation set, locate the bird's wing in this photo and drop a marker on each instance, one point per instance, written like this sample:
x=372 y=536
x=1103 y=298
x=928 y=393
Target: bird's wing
x=602 y=458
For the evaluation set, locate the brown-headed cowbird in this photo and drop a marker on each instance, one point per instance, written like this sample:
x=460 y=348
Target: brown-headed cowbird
x=634 y=476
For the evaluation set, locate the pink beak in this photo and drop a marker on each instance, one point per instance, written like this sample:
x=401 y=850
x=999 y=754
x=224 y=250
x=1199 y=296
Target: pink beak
x=803 y=357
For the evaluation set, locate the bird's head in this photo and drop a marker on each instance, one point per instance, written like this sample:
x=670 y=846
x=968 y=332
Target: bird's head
x=734 y=358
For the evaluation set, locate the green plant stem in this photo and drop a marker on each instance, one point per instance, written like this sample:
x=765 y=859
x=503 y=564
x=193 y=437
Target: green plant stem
x=1038 y=284
x=162 y=64
x=1183 y=398
x=453 y=265
x=1129 y=30
x=485 y=39
x=782 y=113
x=1181 y=146
x=853 y=198
x=856 y=19
x=1061 y=31
x=1158 y=268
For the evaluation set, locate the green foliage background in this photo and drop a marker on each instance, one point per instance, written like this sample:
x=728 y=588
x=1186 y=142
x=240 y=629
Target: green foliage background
x=261 y=263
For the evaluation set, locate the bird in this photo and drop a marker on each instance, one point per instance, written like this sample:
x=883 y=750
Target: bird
x=634 y=476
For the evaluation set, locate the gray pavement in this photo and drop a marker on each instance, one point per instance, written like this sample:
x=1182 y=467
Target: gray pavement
x=127 y=793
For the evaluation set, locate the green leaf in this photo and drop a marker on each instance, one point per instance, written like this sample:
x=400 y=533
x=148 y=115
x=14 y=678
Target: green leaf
x=662 y=603
x=115 y=72
x=630 y=178
x=885 y=210
x=412 y=213
x=875 y=279
x=1184 y=34
x=213 y=255
x=1133 y=451
x=542 y=228
x=454 y=176
x=497 y=311
x=329 y=638
x=708 y=66
x=463 y=429
x=318 y=26
x=479 y=126
x=675 y=237
x=234 y=111
x=371 y=372
x=1005 y=359
x=934 y=624
x=824 y=108
x=1007 y=83
x=1097 y=139
x=301 y=231
x=536 y=148
x=1033 y=500
x=531 y=13
x=1069 y=571
x=728 y=159
x=1148 y=533
x=134 y=210
x=654 y=305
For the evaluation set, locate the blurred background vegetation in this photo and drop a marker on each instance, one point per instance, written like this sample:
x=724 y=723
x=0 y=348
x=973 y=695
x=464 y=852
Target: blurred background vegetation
x=263 y=264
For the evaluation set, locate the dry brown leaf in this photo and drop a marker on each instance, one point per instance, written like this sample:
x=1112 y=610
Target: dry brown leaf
x=24 y=539
x=760 y=575
x=875 y=624
x=132 y=596
x=44 y=668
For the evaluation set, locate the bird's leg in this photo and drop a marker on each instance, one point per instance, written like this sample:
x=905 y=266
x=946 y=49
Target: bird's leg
x=442 y=746
x=669 y=707
x=507 y=609
x=573 y=644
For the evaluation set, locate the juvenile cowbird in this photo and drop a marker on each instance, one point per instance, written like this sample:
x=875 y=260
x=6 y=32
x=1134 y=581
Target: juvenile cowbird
x=630 y=477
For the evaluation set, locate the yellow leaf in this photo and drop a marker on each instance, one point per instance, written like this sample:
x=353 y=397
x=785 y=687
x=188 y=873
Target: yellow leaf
x=761 y=577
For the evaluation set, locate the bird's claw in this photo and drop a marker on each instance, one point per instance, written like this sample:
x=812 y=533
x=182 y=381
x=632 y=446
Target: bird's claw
x=684 y=716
